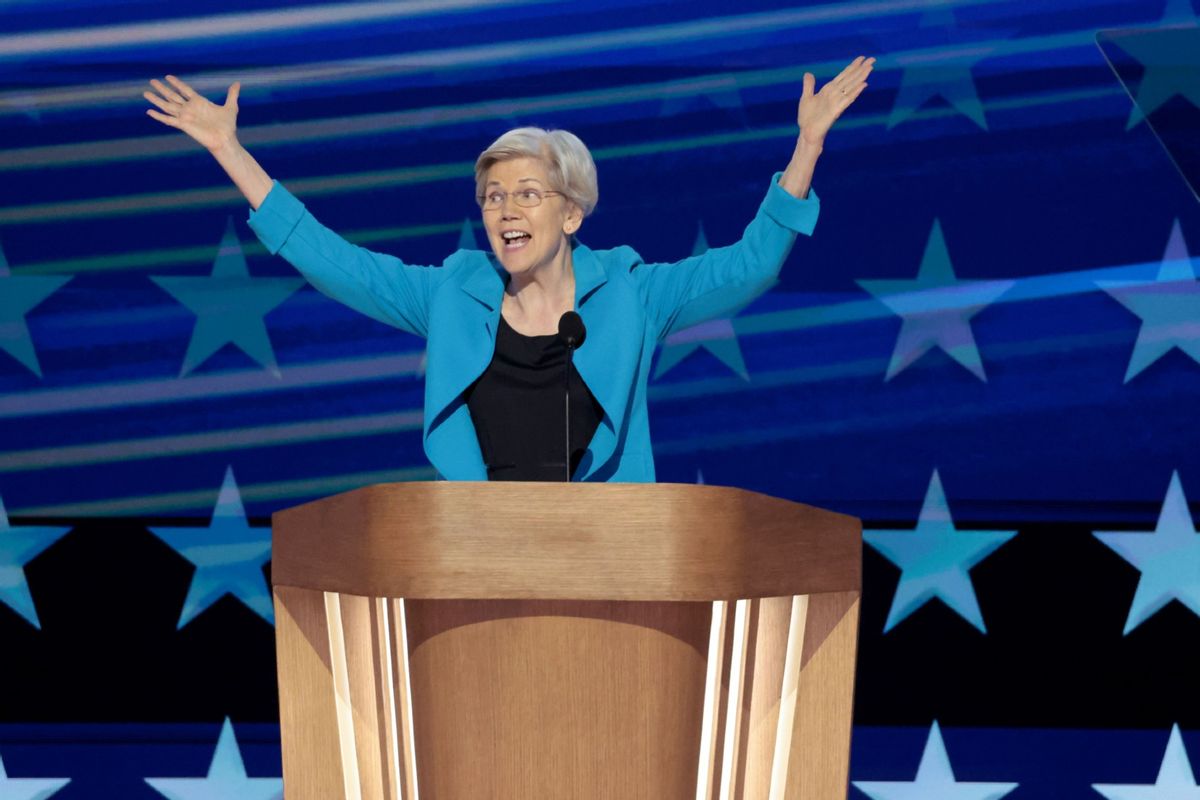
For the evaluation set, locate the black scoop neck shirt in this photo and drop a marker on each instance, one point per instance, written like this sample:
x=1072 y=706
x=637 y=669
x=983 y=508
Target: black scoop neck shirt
x=518 y=411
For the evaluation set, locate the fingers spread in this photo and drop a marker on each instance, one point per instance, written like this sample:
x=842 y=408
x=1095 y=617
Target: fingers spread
x=163 y=118
x=166 y=91
x=183 y=88
x=156 y=100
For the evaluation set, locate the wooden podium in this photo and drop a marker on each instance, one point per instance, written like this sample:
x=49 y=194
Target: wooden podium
x=552 y=640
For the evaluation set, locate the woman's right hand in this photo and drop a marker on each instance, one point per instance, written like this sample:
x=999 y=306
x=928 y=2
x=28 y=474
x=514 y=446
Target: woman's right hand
x=211 y=125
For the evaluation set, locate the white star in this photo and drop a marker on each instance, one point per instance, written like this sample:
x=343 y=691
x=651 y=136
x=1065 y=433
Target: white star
x=934 y=780
x=934 y=560
x=1169 y=558
x=226 y=777
x=1175 y=778
x=229 y=556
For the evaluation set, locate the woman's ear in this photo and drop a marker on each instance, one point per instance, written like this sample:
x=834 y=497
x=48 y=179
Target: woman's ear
x=574 y=220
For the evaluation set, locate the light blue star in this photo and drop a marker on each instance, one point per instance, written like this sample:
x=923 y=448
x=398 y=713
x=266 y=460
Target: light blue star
x=1169 y=558
x=934 y=560
x=1169 y=307
x=28 y=788
x=948 y=76
x=934 y=780
x=19 y=546
x=721 y=92
x=226 y=777
x=466 y=236
x=229 y=556
x=18 y=296
x=936 y=309
x=1168 y=55
x=229 y=306
x=1176 y=780
x=717 y=336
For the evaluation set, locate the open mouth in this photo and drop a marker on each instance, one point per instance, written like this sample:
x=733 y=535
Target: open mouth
x=515 y=240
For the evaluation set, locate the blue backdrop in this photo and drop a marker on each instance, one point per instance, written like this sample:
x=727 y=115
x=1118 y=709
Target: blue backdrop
x=989 y=349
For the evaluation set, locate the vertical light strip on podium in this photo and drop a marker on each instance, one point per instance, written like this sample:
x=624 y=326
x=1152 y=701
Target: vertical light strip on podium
x=341 y=690
x=733 y=711
x=787 y=698
x=709 y=735
x=403 y=690
x=388 y=686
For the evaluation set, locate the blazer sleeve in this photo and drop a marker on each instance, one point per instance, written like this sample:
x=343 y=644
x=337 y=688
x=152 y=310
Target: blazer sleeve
x=724 y=279
x=381 y=286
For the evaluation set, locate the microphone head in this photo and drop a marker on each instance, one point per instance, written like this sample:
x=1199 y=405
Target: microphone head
x=570 y=330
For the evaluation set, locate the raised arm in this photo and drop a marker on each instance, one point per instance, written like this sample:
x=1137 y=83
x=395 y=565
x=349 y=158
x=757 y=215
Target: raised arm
x=816 y=114
x=375 y=284
x=215 y=128
x=724 y=279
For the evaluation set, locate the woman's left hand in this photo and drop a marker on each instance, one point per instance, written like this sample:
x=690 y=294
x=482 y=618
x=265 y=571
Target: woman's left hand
x=818 y=111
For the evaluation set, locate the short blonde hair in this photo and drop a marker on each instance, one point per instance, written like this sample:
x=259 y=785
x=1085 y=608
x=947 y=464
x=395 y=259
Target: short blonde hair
x=567 y=161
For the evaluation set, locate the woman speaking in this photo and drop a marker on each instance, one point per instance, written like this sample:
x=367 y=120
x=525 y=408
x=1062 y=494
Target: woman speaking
x=498 y=356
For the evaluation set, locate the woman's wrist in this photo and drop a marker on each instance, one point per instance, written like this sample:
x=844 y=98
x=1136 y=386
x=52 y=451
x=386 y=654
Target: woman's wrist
x=225 y=146
x=808 y=149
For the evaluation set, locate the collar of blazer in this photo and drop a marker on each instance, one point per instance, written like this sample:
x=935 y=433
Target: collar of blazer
x=608 y=367
x=487 y=286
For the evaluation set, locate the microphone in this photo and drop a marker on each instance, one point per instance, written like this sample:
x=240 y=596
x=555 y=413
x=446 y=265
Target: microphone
x=571 y=332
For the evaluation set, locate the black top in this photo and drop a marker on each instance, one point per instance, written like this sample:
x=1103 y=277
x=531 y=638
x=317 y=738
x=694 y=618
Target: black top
x=517 y=408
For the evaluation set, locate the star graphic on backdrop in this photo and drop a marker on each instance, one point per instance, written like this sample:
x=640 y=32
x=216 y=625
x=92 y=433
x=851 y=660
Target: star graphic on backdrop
x=229 y=306
x=934 y=560
x=18 y=296
x=949 y=77
x=717 y=336
x=466 y=236
x=934 y=779
x=936 y=309
x=1178 y=12
x=229 y=556
x=722 y=93
x=1169 y=307
x=28 y=788
x=1168 y=558
x=1175 y=781
x=1168 y=56
x=19 y=546
x=226 y=777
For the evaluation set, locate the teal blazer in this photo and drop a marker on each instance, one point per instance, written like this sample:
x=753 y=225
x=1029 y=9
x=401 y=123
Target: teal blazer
x=627 y=305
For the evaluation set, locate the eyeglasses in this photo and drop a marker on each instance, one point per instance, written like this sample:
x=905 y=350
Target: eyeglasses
x=526 y=198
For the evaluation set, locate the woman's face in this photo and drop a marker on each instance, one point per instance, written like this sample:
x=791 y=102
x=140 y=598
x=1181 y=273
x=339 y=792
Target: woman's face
x=526 y=238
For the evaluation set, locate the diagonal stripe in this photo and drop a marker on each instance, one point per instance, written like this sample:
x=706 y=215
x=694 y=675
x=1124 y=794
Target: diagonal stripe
x=487 y=56
x=170 y=390
x=172 y=31
x=336 y=184
x=209 y=441
x=203 y=499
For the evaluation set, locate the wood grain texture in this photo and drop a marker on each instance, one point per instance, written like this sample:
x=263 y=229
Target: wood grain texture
x=312 y=768
x=819 y=763
x=527 y=699
x=590 y=541
x=769 y=626
x=432 y=641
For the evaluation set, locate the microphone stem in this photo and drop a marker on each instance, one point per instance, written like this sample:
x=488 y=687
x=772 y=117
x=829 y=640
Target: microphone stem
x=567 y=407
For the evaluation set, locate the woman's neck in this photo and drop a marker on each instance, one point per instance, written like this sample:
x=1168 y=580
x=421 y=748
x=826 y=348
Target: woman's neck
x=539 y=297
